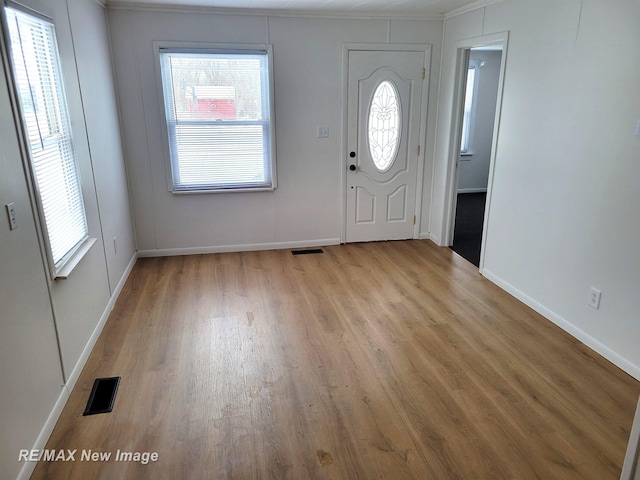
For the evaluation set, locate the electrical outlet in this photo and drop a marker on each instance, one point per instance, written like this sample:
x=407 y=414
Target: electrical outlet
x=594 y=298
x=323 y=132
x=11 y=212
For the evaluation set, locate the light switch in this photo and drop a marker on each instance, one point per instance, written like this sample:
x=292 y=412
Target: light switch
x=11 y=212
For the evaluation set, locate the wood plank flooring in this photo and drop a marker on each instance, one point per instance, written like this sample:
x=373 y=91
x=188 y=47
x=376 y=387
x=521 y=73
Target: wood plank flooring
x=392 y=360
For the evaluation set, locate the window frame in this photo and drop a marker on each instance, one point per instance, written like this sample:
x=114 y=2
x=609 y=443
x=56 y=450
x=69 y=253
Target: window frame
x=215 y=48
x=65 y=264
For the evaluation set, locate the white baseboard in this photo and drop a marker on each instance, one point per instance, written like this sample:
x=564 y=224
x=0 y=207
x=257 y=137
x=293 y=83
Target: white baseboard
x=45 y=433
x=435 y=239
x=472 y=190
x=47 y=429
x=167 y=252
x=424 y=236
x=84 y=356
x=589 y=341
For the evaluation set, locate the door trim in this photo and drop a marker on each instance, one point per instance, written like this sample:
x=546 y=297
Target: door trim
x=451 y=185
x=422 y=127
x=631 y=466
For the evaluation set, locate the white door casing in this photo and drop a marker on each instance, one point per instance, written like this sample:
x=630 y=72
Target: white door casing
x=381 y=199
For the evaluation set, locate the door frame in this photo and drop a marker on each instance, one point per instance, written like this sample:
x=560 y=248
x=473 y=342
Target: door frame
x=631 y=466
x=451 y=187
x=422 y=127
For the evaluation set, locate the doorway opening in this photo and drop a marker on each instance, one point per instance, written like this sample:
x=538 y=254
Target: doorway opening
x=476 y=137
x=475 y=128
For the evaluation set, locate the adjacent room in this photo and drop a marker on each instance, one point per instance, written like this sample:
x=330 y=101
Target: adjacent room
x=239 y=214
x=481 y=87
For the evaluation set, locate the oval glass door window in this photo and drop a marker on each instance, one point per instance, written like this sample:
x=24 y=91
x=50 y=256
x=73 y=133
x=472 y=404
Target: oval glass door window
x=384 y=125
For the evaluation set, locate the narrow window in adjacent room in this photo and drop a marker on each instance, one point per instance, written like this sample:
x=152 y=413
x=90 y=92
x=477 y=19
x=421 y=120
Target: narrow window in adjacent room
x=47 y=129
x=218 y=106
x=467 y=122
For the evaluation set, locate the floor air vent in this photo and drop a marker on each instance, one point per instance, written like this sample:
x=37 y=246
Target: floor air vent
x=307 y=252
x=103 y=394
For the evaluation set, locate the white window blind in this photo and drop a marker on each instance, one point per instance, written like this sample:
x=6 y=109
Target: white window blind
x=468 y=105
x=38 y=80
x=218 y=113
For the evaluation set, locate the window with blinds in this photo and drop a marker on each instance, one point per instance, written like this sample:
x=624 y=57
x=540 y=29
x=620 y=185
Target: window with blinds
x=38 y=80
x=219 y=119
x=467 y=121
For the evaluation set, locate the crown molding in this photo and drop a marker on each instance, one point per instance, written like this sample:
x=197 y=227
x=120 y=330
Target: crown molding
x=470 y=8
x=170 y=8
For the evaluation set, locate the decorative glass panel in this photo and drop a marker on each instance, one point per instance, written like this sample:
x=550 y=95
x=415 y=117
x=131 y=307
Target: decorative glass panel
x=384 y=126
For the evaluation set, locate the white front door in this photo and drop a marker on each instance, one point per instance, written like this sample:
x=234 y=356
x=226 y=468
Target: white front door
x=383 y=121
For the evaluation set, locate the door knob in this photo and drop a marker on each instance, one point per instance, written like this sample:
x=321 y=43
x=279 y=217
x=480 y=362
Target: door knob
x=352 y=168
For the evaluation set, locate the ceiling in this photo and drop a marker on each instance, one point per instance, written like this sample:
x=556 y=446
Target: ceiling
x=379 y=7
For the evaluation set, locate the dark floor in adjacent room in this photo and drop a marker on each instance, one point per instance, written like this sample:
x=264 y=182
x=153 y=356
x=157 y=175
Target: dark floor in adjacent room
x=467 y=236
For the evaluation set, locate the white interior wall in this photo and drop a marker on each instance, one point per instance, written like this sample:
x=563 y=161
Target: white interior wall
x=33 y=365
x=563 y=209
x=97 y=83
x=473 y=174
x=30 y=370
x=307 y=51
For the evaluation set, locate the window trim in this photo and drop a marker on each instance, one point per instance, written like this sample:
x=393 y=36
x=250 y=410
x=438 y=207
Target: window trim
x=191 y=47
x=67 y=263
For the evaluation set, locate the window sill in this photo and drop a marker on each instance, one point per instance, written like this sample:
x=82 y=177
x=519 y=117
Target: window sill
x=74 y=260
x=223 y=190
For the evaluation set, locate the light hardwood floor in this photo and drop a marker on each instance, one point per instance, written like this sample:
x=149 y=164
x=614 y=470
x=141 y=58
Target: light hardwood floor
x=383 y=360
